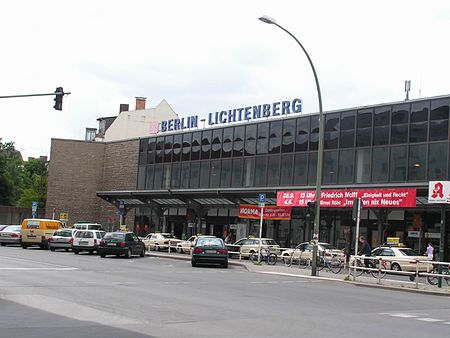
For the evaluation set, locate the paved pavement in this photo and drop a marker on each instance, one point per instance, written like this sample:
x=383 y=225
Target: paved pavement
x=395 y=282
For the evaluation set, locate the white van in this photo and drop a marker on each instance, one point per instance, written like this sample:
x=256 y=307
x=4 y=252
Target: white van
x=87 y=226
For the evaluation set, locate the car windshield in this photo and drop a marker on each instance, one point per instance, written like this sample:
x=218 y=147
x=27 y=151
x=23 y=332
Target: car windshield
x=269 y=242
x=63 y=233
x=408 y=252
x=327 y=246
x=168 y=236
x=114 y=236
x=209 y=242
x=12 y=228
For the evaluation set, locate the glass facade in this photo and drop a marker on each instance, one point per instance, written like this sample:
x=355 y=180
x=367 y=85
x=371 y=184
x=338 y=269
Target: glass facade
x=406 y=142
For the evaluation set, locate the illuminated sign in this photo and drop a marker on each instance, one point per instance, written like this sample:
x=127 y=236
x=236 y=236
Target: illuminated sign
x=235 y=115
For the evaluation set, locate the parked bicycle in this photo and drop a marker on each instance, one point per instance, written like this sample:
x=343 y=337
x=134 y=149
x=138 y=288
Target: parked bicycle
x=377 y=264
x=434 y=280
x=266 y=256
x=298 y=257
x=333 y=264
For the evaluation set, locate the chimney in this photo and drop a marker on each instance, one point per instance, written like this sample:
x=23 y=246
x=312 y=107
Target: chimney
x=140 y=103
x=124 y=107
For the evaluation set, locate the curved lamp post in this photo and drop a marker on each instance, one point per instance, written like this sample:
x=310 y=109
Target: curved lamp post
x=315 y=239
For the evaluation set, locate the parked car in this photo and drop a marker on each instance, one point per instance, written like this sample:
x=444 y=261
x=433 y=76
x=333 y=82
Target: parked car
x=249 y=246
x=305 y=250
x=87 y=240
x=121 y=243
x=210 y=250
x=160 y=241
x=62 y=239
x=187 y=245
x=10 y=235
x=3 y=226
x=401 y=258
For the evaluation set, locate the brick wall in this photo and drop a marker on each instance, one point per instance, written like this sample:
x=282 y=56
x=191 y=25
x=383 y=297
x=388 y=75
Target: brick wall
x=75 y=174
x=119 y=173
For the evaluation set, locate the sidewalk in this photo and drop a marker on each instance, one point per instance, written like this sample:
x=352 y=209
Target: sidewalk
x=365 y=281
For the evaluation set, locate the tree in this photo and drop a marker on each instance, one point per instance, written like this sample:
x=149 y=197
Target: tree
x=10 y=173
x=34 y=183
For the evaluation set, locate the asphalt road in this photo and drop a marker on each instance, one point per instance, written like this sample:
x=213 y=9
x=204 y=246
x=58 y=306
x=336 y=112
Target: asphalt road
x=58 y=294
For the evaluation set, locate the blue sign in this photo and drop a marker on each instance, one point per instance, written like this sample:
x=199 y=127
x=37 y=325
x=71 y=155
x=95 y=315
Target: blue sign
x=121 y=209
x=236 y=115
x=262 y=198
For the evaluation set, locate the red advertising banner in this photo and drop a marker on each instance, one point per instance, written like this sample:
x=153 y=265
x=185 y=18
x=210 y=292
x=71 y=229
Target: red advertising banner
x=371 y=198
x=271 y=212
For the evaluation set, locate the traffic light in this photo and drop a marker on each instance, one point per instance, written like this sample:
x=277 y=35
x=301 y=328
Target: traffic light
x=59 y=93
x=311 y=209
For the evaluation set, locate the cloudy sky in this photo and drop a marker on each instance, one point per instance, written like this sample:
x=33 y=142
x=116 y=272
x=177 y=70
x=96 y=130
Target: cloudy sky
x=204 y=56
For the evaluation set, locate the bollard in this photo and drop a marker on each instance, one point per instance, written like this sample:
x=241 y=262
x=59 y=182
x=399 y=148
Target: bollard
x=380 y=264
x=169 y=245
x=417 y=274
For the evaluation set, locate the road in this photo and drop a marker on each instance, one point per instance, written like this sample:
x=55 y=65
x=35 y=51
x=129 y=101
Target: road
x=59 y=294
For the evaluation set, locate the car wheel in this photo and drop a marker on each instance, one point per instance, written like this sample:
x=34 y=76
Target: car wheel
x=24 y=246
x=142 y=253
x=75 y=251
x=193 y=263
x=102 y=255
x=128 y=254
x=67 y=250
x=2 y=244
x=157 y=248
x=52 y=249
x=396 y=267
x=91 y=252
x=225 y=265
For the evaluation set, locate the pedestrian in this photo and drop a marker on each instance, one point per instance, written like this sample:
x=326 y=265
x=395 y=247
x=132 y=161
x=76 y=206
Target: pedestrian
x=228 y=239
x=430 y=252
x=365 y=250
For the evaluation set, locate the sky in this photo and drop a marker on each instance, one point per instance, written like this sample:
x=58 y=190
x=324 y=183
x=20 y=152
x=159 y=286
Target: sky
x=206 y=56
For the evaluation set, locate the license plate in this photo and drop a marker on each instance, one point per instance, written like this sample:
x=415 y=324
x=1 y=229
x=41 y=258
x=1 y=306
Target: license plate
x=84 y=243
x=210 y=251
x=111 y=244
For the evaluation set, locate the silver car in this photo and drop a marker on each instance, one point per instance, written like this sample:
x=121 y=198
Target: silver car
x=62 y=239
x=10 y=235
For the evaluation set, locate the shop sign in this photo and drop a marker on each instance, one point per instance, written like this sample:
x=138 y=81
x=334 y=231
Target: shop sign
x=439 y=192
x=393 y=241
x=271 y=212
x=236 y=115
x=435 y=235
x=414 y=234
x=371 y=198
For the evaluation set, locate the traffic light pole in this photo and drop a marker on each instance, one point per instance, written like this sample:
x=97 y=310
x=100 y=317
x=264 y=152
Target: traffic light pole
x=28 y=95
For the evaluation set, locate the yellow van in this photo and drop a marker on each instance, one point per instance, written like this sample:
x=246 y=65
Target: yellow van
x=38 y=231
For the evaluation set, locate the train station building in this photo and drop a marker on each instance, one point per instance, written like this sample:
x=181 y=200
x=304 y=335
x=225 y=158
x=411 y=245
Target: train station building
x=182 y=177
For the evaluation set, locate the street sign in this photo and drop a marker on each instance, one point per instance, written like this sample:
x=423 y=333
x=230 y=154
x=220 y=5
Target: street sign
x=63 y=216
x=121 y=209
x=262 y=204
x=262 y=198
x=34 y=206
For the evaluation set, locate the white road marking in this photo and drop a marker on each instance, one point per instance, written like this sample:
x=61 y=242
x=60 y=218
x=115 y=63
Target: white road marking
x=430 y=320
x=403 y=315
x=41 y=269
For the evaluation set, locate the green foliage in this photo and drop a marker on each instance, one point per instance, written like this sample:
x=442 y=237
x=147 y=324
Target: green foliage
x=21 y=182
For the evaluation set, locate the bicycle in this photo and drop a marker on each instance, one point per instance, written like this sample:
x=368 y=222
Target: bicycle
x=269 y=257
x=373 y=264
x=334 y=264
x=434 y=280
x=303 y=260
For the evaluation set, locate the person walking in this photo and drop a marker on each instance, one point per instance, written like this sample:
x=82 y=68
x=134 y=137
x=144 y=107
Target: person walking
x=365 y=250
x=430 y=252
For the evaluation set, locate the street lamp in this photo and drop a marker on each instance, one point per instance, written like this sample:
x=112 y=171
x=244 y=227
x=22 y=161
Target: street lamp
x=315 y=240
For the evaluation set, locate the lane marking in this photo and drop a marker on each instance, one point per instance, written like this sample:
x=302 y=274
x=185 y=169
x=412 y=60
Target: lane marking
x=32 y=261
x=39 y=269
x=430 y=320
x=403 y=315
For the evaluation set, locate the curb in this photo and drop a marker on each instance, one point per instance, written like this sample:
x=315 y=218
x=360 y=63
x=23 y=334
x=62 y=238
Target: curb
x=367 y=285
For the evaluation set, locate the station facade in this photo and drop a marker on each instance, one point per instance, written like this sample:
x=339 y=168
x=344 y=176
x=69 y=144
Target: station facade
x=194 y=180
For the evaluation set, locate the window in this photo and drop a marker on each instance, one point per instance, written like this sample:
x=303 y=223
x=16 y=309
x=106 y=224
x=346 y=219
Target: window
x=437 y=161
x=186 y=154
x=238 y=145
x=166 y=178
x=347 y=138
x=314 y=132
x=418 y=129
x=215 y=174
x=168 y=146
x=312 y=168
x=400 y=119
x=262 y=145
x=194 y=179
x=331 y=135
x=250 y=140
x=300 y=169
x=398 y=164
x=362 y=165
x=249 y=172
x=439 y=119
x=260 y=171
x=329 y=167
x=275 y=137
x=141 y=177
x=345 y=168
x=364 y=130
x=417 y=162
x=195 y=146
x=302 y=135
x=237 y=173
x=380 y=164
x=151 y=149
x=176 y=172
x=288 y=136
x=227 y=147
x=177 y=141
x=149 y=177
x=273 y=171
x=381 y=125
x=143 y=151
x=204 y=174
x=216 y=147
x=287 y=169
x=184 y=178
x=206 y=144
x=159 y=153
x=225 y=174
x=158 y=180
